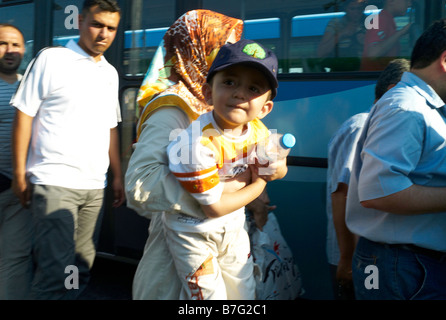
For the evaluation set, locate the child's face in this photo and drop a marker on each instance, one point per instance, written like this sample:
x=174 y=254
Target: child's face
x=239 y=94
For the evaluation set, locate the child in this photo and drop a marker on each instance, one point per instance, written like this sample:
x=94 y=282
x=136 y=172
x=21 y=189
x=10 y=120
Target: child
x=212 y=256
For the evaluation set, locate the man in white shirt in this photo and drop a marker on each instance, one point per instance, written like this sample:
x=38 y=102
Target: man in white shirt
x=67 y=115
x=15 y=221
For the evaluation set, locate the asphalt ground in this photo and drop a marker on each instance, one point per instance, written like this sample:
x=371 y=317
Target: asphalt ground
x=110 y=280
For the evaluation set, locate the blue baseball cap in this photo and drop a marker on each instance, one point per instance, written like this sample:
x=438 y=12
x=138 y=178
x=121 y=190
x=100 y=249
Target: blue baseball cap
x=251 y=53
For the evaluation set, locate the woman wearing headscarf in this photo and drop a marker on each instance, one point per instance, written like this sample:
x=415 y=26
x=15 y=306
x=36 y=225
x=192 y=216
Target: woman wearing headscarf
x=170 y=97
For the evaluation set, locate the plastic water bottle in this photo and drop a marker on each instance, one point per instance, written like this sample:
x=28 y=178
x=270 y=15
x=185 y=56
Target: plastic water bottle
x=276 y=147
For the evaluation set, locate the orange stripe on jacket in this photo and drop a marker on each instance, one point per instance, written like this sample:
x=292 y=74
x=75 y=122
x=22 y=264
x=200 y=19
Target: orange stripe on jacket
x=201 y=185
x=194 y=174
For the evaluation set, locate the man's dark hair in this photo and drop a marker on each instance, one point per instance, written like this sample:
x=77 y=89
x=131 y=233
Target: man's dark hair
x=391 y=75
x=430 y=45
x=104 y=5
x=2 y=25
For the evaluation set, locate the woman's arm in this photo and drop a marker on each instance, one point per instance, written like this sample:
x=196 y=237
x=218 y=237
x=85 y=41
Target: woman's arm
x=149 y=184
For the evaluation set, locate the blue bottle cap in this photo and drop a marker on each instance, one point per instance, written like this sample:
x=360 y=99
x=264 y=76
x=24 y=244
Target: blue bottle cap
x=288 y=140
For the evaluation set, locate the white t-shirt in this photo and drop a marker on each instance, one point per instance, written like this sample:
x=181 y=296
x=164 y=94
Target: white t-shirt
x=74 y=102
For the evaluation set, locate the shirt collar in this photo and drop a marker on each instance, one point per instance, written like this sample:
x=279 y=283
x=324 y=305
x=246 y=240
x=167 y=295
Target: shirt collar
x=227 y=133
x=425 y=90
x=73 y=45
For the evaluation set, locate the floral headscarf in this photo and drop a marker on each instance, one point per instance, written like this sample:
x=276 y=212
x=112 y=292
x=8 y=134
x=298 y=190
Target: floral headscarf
x=181 y=63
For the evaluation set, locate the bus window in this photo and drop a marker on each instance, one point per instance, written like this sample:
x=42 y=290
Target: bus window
x=391 y=33
x=334 y=40
x=144 y=31
x=303 y=33
x=262 y=29
x=65 y=25
x=139 y=49
x=21 y=16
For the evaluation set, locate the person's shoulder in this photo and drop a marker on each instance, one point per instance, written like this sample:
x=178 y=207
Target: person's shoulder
x=358 y=119
x=51 y=54
x=401 y=104
x=403 y=96
x=167 y=117
x=353 y=123
x=52 y=50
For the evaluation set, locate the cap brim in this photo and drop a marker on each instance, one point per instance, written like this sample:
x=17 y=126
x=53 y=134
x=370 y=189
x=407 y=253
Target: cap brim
x=271 y=79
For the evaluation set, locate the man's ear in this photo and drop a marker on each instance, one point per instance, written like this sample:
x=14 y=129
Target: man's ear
x=206 y=89
x=267 y=108
x=443 y=61
x=80 y=18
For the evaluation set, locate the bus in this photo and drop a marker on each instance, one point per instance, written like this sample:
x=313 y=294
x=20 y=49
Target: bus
x=315 y=96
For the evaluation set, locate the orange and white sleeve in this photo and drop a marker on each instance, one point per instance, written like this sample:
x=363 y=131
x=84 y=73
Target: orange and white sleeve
x=195 y=167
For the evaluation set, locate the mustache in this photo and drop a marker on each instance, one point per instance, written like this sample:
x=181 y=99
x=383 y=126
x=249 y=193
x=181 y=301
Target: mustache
x=12 y=55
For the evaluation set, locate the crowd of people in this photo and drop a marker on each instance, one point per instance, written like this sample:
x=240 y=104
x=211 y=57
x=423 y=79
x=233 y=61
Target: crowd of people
x=386 y=184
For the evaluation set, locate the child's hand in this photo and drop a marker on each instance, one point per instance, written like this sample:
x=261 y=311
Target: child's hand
x=238 y=182
x=271 y=171
x=260 y=208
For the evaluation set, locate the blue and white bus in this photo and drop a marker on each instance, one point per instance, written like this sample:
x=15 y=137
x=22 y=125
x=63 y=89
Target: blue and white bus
x=313 y=100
